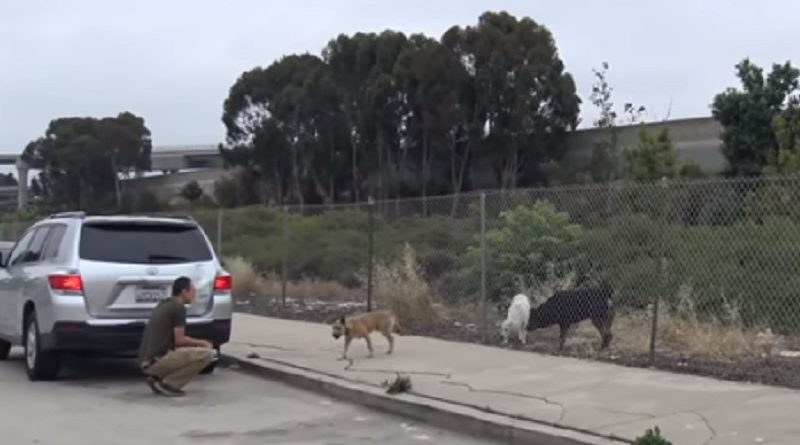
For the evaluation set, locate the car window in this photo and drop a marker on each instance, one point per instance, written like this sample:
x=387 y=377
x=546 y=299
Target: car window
x=143 y=243
x=34 y=251
x=53 y=243
x=22 y=246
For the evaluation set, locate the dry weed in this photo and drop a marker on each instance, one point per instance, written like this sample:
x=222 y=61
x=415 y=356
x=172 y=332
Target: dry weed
x=248 y=283
x=309 y=288
x=682 y=331
x=399 y=285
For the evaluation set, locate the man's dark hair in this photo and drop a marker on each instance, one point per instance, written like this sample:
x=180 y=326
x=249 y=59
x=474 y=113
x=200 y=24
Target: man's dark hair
x=181 y=284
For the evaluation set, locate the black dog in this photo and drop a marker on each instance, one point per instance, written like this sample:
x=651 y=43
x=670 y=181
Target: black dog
x=566 y=308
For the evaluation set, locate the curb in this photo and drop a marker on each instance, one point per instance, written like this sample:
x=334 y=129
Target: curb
x=423 y=409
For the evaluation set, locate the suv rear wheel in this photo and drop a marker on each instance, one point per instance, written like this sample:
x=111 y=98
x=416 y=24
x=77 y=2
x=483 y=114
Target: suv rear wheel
x=5 y=348
x=40 y=364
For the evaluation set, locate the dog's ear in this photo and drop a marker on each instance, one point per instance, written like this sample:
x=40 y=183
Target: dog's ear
x=341 y=320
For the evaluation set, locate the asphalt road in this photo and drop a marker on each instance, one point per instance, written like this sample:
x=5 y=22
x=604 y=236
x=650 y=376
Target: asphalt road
x=108 y=402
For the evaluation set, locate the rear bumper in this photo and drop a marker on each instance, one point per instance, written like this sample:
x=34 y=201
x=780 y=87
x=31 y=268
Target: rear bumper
x=123 y=337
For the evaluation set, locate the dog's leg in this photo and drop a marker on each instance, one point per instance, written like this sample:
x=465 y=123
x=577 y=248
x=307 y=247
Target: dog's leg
x=347 y=341
x=523 y=335
x=603 y=326
x=563 y=338
x=369 y=344
x=390 y=338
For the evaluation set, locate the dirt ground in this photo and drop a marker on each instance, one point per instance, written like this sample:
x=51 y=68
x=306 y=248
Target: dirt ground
x=583 y=343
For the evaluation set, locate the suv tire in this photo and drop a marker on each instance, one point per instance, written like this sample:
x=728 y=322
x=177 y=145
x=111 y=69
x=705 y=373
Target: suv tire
x=5 y=348
x=40 y=364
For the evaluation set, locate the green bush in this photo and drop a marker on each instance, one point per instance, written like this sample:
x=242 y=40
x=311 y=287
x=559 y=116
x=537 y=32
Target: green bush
x=652 y=437
x=528 y=241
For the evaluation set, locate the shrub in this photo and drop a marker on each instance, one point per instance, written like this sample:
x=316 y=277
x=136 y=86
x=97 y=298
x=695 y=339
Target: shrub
x=192 y=191
x=399 y=385
x=527 y=241
x=230 y=191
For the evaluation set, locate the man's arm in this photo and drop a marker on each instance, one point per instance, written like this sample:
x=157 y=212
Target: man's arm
x=184 y=341
x=179 y=332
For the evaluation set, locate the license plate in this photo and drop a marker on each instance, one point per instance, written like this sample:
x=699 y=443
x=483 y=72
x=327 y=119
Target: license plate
x=150 y=295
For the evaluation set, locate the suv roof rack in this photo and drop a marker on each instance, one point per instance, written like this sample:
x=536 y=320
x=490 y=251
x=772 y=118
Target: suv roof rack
x=186 y=216
x=78 y=215
x=82 y=215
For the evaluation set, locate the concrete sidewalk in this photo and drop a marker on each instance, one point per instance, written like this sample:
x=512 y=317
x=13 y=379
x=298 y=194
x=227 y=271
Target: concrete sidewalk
x=581 y=400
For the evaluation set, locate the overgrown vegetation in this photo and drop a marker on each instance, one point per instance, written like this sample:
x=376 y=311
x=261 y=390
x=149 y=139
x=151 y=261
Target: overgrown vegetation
x=727 y=280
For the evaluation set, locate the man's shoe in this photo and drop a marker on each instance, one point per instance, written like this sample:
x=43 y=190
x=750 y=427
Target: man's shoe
x=153 y=383
x=169 y=390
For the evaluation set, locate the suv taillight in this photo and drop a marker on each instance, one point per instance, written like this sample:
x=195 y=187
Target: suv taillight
x=223 y=283
x=66 y=282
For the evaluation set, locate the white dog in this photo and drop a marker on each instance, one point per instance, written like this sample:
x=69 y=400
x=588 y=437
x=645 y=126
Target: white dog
x=517 y=319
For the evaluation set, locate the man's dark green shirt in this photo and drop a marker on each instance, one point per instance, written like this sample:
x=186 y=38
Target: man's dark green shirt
x=159 y=337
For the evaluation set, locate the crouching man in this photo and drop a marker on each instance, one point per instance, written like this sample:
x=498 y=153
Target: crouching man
x=168 y=356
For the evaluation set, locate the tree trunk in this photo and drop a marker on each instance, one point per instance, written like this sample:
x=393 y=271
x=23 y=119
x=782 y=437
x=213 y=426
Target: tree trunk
x=332 y=168
x=115 y=171
x=320 y=187
x=351 y=133
x=425 y=173
x=458 y=178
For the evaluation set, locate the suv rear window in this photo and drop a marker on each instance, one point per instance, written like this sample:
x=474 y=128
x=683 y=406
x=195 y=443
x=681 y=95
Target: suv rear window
x=143 y=243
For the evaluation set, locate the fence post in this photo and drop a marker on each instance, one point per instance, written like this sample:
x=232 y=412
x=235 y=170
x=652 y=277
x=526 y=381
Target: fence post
x=483 y=268
x=662 y=273
x=219 y=231
x=285 y=255
x=370 y=247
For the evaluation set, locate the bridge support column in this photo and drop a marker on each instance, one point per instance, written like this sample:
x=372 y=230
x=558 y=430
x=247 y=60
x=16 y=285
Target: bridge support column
x=22 y=186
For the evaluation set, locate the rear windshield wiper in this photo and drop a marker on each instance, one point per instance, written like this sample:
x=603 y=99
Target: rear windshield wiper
x=165 y=258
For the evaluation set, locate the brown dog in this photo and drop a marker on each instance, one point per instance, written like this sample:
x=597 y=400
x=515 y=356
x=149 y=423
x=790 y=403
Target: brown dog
x=361 y=325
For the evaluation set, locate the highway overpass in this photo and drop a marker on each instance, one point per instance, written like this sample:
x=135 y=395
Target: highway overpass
x=695 y=139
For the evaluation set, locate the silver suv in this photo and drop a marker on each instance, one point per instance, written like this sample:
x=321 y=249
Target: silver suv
x=78 y=283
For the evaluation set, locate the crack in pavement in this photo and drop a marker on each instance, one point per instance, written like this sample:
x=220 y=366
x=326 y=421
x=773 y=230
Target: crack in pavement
x=514 y=394
x=645 y=416
x=708 y=425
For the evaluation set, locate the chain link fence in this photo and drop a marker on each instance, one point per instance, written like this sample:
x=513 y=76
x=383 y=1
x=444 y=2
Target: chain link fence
x=704 y=274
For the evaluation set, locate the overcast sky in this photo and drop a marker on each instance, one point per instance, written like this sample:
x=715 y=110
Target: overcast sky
x=172 y=62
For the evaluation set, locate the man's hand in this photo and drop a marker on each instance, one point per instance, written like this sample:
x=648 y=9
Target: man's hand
x=184 y=341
